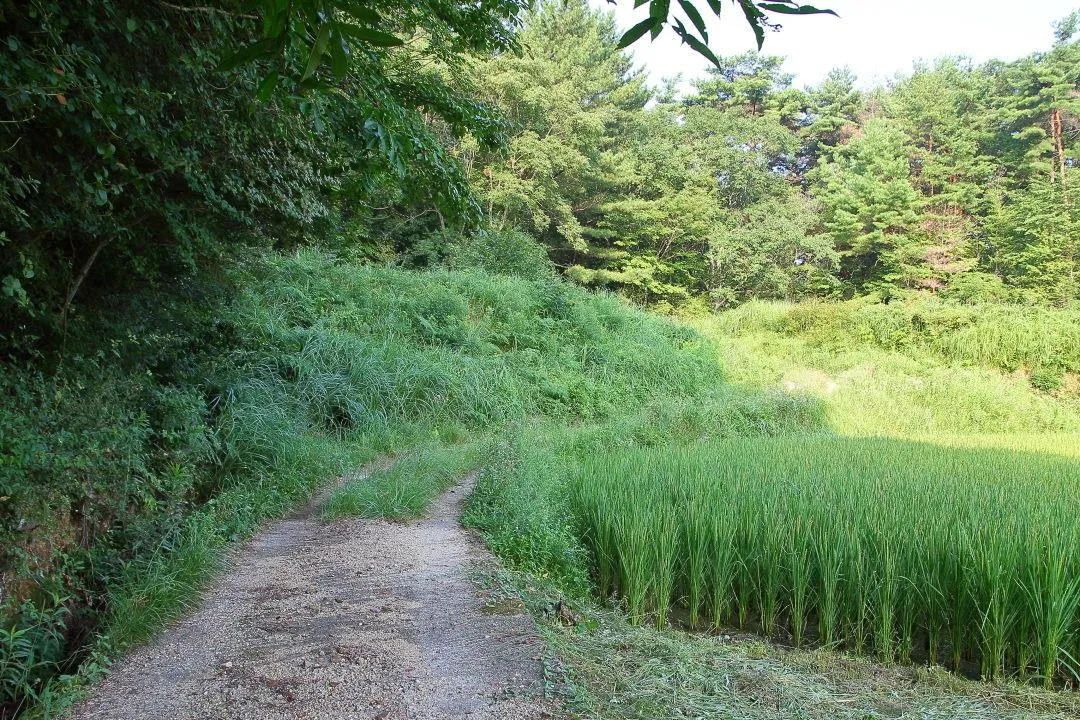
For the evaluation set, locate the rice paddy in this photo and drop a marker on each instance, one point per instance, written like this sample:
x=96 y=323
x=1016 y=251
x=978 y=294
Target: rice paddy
x=968 y=557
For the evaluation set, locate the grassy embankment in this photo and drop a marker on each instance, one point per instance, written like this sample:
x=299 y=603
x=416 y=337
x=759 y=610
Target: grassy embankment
x=325 y=366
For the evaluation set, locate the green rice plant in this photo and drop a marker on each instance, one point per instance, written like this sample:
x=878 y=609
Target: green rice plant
x=745 y=563
x=664 y=545
x=699 y=554
x=907 y=618
x=1052 y=589
x=828 y=558
x=632 y=537
x=859 y=591
x=770 y=570
x=993 y=590
x=800 y=573
x=886 y=595
x=721 y=560
x=599 y=535
x=958 y=607
x=916 y=550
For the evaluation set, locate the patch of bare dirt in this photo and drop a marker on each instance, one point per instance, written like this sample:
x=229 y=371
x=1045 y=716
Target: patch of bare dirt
x=351 y=620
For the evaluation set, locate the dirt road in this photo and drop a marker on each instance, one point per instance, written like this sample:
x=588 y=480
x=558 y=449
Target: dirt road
x=350 y=620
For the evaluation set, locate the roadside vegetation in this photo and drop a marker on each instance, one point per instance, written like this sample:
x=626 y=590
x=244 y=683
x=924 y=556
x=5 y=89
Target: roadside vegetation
x=334 y=363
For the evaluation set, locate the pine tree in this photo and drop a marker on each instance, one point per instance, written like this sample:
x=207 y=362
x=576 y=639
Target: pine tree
x=570 y=92
x=939 y=108
x=1033 y=241
x=833 y=113
x=870 y=208
x=1030 y=232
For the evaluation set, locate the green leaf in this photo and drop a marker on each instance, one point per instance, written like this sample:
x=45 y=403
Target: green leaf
x=695 y=17
x=311 y=12
x=267 y=86
x=368 y=35
x=699 y=47
x=132 y=26
x=716 y=7
x=793 y=9
x=317 y=51
x=249 y=53
x=658 y=11
x=635 y=33
x=339 y=57
x=274 y=23
x=13 y=288
x=361 y=13
x=753 y=17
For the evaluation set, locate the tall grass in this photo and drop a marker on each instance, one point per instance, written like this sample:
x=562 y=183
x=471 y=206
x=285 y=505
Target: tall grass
x=869 y=390
x=1005 y=337
x=970 y=557
x=406 y=488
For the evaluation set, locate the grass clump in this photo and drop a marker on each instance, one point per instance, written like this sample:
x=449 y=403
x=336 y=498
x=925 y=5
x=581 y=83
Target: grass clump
x=405 y=488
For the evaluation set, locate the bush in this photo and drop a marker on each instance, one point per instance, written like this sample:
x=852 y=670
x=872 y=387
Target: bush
x=500 y=252
x=1047 y=379
x=973 y=288
x=32 y=648
x=506 y=252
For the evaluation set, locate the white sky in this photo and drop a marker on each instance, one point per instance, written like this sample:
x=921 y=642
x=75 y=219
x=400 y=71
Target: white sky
x=875 y=38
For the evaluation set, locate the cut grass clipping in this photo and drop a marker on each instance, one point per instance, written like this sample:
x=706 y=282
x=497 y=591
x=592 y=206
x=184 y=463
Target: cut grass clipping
x=971 y=557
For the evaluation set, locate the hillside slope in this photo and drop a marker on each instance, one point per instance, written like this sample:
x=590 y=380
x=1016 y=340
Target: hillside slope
x=218 y=408
x=230 y=413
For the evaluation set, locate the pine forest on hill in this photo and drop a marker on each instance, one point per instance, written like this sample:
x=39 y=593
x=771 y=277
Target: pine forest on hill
x=953 y=179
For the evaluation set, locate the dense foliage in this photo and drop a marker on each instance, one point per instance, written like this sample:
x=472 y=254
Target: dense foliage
x=957 y=178
x=131 y=159
x=138 y=176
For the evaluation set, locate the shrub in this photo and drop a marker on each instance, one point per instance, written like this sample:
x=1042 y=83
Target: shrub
x=502 y=252
x=974 y=288
x=1047 y=379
